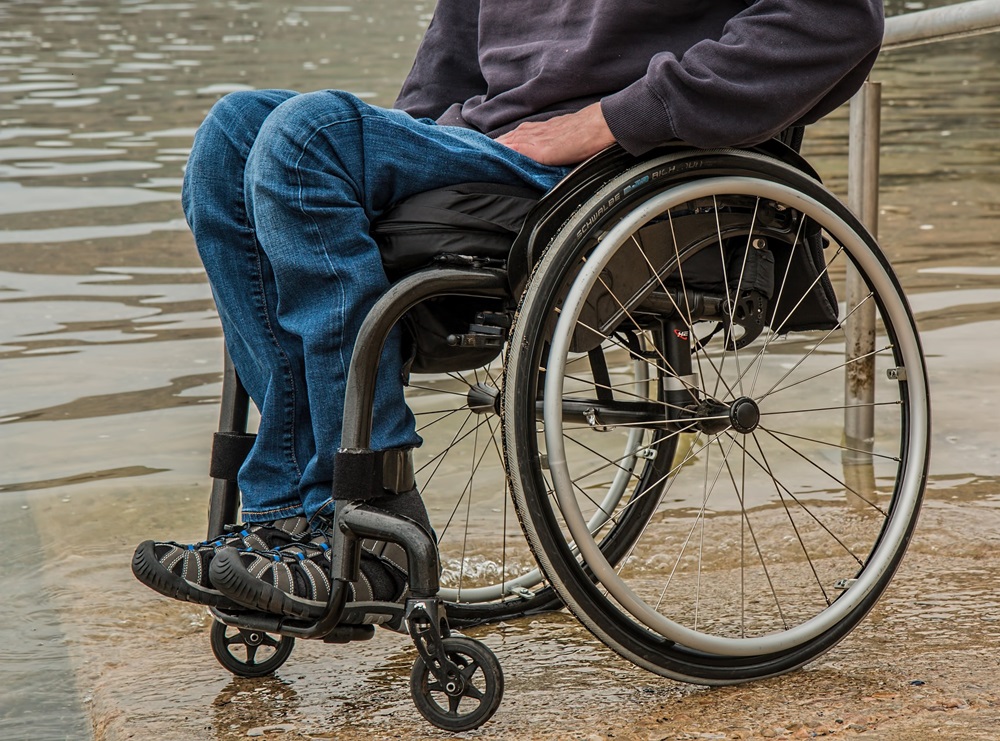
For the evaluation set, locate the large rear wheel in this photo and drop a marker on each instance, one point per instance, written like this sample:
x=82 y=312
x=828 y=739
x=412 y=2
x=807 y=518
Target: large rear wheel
x=794 y=491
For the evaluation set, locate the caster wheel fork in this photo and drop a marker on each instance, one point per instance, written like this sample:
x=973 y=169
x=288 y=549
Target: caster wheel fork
x=456 y=682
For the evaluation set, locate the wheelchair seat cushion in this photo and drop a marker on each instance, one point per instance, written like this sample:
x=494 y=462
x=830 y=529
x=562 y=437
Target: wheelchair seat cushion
x=470 y=219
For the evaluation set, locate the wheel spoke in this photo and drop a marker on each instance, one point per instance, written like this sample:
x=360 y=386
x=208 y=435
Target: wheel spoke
x=841 y=366
x=791 y=520
x=701 y=513
x=251 y=654
x=808 y=510
x=666 y=369
x=839 y=407
x=816 y=346
x=434 y=390
x=740 y=490
x=465 y=489
x=469 y=488
x=771 y=334
x=838 y=446
x=815 y=465
x=684 y=314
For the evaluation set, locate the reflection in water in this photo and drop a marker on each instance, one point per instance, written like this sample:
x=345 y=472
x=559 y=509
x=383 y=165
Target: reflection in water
x=240 y=702
x=109 y=344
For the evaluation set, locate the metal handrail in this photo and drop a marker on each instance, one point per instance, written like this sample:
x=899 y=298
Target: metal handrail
x=940 y=24
x=923 y=27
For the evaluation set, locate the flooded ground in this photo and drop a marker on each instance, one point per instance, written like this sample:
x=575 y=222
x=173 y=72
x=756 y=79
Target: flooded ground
x=109 y=376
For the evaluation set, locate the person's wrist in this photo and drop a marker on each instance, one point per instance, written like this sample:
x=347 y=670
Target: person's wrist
x=599 y=133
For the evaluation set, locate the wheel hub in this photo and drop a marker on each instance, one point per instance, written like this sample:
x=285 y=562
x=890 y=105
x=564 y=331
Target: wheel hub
x=483 y=399
x=714 y=417
x=744 y=415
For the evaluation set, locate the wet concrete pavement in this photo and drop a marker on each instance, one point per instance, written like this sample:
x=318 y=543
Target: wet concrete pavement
x=923 y=664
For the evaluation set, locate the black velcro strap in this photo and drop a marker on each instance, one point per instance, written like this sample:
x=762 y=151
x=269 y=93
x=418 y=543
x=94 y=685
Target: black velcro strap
x=354 y=475
x=360 y=475
x=397 y=470
x=229 y=450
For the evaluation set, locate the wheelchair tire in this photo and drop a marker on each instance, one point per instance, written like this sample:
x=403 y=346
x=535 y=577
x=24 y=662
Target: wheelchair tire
x=778 y=528
x=469 y=697
x=249 y=653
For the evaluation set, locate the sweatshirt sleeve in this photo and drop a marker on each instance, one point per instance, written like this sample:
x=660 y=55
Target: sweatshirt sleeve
x=446 y=68
x=777 y=63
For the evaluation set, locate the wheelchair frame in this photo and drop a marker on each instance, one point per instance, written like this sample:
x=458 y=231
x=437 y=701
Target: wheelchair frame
x=443 y=660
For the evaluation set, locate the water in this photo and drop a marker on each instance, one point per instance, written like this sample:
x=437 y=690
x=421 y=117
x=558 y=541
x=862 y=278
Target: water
x=109 y=345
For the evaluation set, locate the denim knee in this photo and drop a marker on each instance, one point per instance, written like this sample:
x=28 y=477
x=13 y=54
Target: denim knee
x=223 y=141
x=246 y=109
x=288 y=134
x=308 y=112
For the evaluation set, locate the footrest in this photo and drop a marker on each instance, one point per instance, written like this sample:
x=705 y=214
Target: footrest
x=388 y=615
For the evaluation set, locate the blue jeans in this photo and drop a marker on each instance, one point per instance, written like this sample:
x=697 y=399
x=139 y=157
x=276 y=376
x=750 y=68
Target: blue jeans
x=280 y=191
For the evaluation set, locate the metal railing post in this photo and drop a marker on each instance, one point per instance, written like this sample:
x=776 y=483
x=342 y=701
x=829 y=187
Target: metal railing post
x=928 y=26
x=862 y=197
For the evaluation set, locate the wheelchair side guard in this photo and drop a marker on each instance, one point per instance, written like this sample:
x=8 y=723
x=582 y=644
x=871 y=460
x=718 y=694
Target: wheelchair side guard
x=553 y=210
x=643 y=268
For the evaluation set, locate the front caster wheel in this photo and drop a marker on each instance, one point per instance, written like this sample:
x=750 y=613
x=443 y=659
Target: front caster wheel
x=249 y=653
x=470 y=692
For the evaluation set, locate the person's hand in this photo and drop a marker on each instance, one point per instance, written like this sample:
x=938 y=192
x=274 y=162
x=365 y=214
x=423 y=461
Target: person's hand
x=563 y=140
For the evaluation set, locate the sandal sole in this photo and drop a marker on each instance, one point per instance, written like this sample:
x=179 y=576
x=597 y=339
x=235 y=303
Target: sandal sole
x=147 y=569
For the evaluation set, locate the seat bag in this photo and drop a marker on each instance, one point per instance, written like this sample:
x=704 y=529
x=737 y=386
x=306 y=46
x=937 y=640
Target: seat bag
x=471 y=219
x=478 y=220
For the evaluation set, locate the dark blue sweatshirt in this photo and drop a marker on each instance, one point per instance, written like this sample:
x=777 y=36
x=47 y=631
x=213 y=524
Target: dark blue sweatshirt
x=711 y=73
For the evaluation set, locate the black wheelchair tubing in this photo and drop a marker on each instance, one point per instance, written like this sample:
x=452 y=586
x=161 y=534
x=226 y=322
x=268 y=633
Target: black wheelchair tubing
x=582 y=595
x=468 y=615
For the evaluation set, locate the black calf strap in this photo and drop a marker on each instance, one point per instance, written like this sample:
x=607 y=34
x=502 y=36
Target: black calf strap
x=229 y=450
x=360 y=475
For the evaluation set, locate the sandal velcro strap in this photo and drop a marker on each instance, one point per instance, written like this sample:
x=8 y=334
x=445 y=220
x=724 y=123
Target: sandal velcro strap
x=386 y=551
x=229 y=451
x=360 y=475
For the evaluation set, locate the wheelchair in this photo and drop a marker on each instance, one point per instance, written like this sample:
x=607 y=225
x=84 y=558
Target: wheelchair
x=650 y=378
